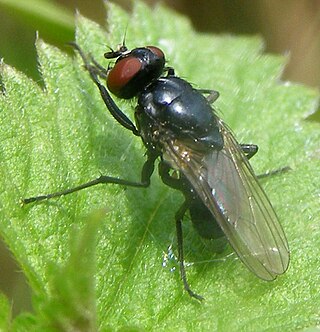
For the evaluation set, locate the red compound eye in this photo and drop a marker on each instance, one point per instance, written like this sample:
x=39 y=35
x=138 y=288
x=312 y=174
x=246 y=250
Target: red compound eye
x=134 y=70
x=156 y=51
x=122 y=73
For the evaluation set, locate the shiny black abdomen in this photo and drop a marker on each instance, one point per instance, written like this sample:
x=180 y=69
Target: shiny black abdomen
x=203 y=220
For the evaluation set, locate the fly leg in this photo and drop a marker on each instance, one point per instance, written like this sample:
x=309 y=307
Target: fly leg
x=179 y=184
x=95 y=70
x=146 y=173
x=179 y=216
x=250 y=150
x=274 y=172
x=213 y=94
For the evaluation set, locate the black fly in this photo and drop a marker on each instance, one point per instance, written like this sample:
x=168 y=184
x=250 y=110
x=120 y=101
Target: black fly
x=179 y=127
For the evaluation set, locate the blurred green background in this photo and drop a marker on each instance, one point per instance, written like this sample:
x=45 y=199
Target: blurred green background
x=287 y=26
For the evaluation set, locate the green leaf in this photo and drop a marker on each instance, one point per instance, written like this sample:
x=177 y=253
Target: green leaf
x=64 y=136
x=72 y=303
x=5 y=313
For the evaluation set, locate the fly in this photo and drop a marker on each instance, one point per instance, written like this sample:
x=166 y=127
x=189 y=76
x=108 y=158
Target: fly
x=180 y=129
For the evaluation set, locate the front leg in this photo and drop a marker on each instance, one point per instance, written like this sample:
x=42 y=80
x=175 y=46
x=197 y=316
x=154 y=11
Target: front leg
x=96 y=70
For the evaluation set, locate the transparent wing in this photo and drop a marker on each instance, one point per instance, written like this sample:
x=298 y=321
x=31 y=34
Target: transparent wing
x=226 y=183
